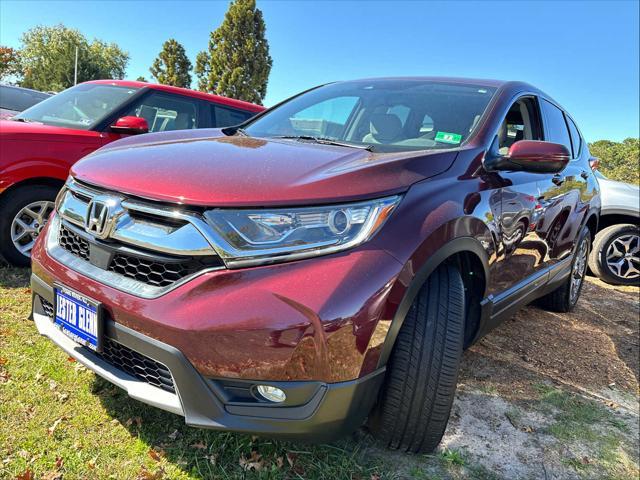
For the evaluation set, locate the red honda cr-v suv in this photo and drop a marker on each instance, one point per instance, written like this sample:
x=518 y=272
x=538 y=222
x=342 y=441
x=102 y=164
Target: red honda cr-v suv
x=323 y=263
x=39 y=145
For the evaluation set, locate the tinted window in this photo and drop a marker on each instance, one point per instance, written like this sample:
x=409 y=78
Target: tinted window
x=18 y=99
x=81 y=107
x=166 y=112
x=386 y=115
x=226 y=117
x=555 y=126
x=576 y=140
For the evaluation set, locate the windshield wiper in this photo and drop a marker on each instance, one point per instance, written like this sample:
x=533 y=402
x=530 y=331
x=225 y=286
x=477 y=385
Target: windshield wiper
x=19 y=119
x=325 y=141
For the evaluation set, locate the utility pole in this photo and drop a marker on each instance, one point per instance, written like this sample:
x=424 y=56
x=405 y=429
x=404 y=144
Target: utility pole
x=75 y=70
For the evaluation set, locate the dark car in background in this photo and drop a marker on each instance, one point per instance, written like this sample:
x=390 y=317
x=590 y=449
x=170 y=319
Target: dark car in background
x=14 y=100
x=323 y=263
x=39 y=145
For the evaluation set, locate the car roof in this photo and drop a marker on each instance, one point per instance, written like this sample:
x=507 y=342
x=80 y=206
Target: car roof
x=459 y=80
x=16 y=87
x=209 y=97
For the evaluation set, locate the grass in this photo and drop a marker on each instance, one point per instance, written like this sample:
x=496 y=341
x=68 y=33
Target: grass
x=580 y=420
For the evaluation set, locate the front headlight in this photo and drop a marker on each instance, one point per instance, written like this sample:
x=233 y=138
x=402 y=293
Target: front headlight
x=258 y=236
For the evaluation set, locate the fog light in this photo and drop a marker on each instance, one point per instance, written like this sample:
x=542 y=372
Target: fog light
x=273 y=394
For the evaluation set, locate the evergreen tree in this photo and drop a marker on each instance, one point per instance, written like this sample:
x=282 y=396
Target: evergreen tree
x=172 y=66
x=237 y=63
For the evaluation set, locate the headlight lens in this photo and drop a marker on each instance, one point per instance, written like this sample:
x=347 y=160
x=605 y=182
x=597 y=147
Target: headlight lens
x=250 y=237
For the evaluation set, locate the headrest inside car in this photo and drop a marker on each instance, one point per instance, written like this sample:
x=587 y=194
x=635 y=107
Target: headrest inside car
x=385 y=127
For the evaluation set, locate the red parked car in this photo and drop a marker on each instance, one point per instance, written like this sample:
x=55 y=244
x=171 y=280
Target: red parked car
x=325 y=262
x=39 y=145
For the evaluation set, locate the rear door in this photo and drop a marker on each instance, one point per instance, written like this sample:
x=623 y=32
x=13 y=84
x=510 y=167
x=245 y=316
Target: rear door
x=562 y=196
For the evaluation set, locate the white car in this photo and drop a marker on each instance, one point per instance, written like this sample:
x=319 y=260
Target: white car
x=615 y=256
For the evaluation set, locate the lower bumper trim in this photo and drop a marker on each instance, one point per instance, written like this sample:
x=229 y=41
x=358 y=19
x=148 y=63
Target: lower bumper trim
x=135 y=388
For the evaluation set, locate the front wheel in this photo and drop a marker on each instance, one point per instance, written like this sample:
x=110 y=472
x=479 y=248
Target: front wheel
x=415 y=402
x=23 y=214
x=615 y=257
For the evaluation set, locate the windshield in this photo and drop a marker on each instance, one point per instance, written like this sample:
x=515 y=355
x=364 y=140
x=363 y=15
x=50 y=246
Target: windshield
x=388 y=115
x=79 y=107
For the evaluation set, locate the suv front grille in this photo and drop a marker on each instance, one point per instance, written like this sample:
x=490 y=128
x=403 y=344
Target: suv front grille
x=154 y=270
x=123 y=358
x=73 y=243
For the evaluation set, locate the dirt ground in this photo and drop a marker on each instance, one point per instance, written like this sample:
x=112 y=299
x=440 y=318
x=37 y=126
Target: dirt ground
x=550 y=395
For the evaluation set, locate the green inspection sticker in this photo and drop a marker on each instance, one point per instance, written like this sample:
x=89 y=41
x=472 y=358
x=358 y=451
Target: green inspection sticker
x=446 y=137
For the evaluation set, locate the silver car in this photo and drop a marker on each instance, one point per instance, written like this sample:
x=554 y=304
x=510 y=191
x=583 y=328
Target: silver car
x=615 y=256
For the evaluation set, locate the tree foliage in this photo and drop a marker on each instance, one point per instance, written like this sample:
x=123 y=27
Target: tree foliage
x=172 y=67
x=237 y=63
x=9 y=62
x=141 y=79
x=47 y=58
x=618 y=160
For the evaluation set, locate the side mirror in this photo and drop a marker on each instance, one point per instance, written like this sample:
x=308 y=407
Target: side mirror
x=130 y=125
x=530 y=156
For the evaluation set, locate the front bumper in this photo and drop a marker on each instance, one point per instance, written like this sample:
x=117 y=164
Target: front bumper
x=315 y=410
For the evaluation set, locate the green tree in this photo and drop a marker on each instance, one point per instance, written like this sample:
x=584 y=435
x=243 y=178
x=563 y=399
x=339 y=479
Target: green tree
x=9 y=62
x=48 y=58
x=172 y=66
x=237 y=63
x=141 y=79
x=618 y=160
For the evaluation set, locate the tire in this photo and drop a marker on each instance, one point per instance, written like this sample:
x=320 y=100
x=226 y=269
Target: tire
x=15 y=202
x=415 y=401
x=608 y=245
x=564 y=298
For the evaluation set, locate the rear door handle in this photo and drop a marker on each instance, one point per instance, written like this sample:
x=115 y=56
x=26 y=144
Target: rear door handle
x=584 y=174
x=558 y=179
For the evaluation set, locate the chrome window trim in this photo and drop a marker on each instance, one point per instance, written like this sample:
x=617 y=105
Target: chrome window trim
x=106 y=277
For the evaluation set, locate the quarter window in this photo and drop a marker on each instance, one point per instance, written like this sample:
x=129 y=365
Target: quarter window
x=555 y=125
x=226 y=117
x=576 y=139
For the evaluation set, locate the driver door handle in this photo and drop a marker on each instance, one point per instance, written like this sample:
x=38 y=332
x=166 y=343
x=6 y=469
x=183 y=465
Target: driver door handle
x=557 y=179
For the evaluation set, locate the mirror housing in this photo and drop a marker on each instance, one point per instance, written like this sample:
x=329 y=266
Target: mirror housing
x=130 y=125
x=529 y=156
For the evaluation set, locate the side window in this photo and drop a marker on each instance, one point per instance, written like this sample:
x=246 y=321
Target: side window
x=227 y=116
x=521 y=123
x=555 y=125
x=576 y=139
x=166 y=112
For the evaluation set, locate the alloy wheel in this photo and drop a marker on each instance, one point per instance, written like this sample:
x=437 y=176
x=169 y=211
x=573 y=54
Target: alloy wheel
x=578 y=271
x=28 y=223
x=623 y=256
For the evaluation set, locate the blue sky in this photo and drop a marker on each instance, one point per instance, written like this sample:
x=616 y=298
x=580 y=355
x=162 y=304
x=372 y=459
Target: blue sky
x=584 y=54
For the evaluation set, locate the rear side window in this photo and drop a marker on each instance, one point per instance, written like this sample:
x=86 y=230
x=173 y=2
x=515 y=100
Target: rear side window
x=166 y=112
x=576 y=140
x=226 y=116
x=555 y=125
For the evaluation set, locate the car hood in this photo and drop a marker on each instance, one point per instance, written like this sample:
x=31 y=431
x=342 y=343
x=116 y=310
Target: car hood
x=208 y=168
x=619 y=197
x=33 y=131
